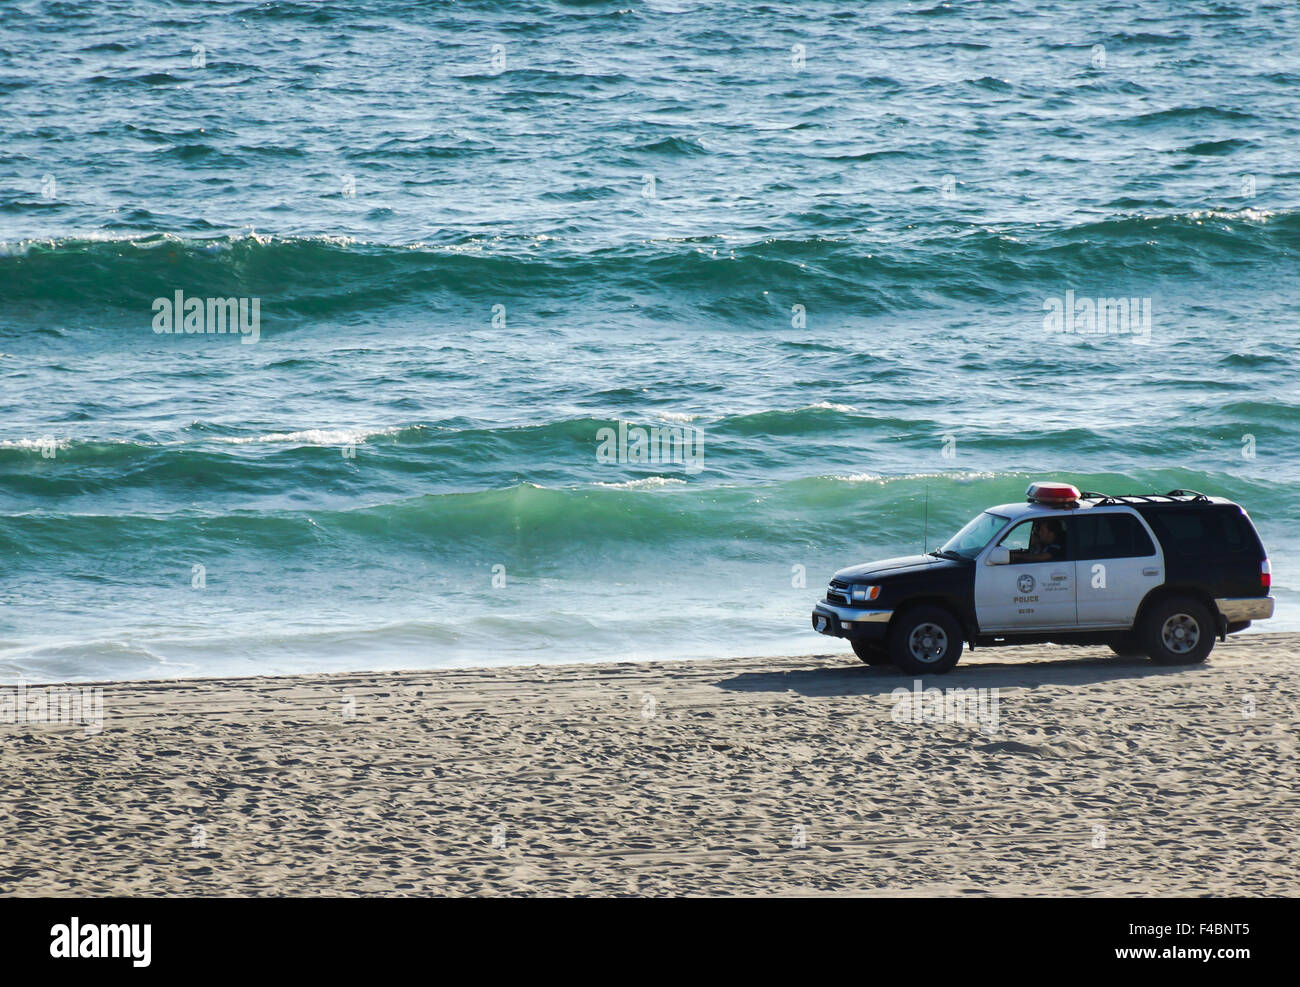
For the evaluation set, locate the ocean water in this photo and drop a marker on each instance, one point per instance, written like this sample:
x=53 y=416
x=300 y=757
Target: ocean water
x=822 y=239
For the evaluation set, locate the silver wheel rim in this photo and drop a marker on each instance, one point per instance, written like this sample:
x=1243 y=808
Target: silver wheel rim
x=928 y=642
x=1181 y=633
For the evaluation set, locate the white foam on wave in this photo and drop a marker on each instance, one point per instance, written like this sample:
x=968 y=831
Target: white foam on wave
x=883 y=479
x=313 y=436
x=644 y=483
x=831 y=406
x=1248 y=213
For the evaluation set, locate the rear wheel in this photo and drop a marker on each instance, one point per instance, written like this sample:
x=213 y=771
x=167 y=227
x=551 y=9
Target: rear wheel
x=1178 y=630
x=926 y=639
x=871 y=652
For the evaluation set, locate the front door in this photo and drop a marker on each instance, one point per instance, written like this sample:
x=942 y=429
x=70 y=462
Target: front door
x=1036 y=590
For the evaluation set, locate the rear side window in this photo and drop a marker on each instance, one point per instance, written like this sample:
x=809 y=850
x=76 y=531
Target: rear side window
x=1111 y=536
x=1218 y=532
x=1186 y=527
x=1239 y=536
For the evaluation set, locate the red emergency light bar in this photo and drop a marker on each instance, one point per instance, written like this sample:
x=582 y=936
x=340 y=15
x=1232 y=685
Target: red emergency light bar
x=1053 y=494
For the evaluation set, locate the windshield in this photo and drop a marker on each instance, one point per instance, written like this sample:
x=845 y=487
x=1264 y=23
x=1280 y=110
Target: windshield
x=968 y=542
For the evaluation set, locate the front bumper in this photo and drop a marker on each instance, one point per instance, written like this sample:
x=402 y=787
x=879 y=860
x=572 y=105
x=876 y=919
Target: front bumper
x=827 y=618
x=1235 y=609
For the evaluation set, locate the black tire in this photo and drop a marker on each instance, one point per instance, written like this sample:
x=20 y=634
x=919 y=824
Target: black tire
x=1177 y=630
x=1126 y=646
x=925 y=640
x=871 y=652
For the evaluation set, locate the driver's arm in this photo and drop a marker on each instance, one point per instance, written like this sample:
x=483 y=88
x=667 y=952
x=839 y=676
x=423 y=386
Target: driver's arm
x=1029 y=555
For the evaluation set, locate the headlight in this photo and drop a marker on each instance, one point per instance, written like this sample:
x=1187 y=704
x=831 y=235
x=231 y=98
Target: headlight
x=862 y=594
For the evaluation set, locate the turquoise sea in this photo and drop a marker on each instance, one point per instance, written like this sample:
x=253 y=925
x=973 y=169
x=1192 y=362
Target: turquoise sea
x=817 y=242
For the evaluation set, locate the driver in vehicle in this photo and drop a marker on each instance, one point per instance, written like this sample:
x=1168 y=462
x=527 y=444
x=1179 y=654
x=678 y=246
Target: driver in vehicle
x=1046 y=542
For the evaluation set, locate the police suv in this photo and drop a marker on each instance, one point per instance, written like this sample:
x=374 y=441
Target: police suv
x=1160 y=575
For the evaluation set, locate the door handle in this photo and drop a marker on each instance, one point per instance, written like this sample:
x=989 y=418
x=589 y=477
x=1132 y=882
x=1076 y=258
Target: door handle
x=1150 y=572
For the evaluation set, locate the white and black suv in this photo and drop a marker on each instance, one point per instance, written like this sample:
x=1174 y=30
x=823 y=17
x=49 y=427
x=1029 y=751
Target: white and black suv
x=1156 y=574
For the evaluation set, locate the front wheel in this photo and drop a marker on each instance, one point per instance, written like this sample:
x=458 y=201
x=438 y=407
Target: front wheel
x=1178 y=630
x=871 y=652
x=925 y=640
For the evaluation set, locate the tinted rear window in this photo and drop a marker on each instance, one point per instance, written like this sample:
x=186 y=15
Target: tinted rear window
x=1111 y=536
x=1215 y=532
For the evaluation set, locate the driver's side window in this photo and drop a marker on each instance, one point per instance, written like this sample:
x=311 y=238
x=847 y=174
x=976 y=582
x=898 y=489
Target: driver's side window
x=1038 y=540
x=1017 y=539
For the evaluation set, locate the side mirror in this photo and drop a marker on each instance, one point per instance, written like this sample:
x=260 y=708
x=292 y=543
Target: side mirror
x=1001 y=555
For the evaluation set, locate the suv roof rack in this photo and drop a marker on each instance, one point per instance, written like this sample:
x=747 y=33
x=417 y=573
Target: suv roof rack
x=1177 y=496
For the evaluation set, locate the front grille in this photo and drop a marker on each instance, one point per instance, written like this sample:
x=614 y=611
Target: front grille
x=838 y=593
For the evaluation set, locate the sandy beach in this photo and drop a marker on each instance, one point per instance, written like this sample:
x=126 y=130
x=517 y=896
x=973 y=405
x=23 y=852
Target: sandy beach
x=1085 y=774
